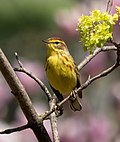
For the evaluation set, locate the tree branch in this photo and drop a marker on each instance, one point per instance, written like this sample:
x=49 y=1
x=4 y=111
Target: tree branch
x=40 y=83
x=109 y=6
x=104 y=73
x=91 y=56
x=16 y=129
x=23 y=99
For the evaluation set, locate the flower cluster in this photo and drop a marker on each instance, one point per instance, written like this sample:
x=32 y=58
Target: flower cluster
x=96 y=29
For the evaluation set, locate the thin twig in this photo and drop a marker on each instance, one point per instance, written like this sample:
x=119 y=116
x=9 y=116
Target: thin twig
x=109 y=6
x=118 y=50
x=104 y=73
x=107 y=71
x=41 y=84
x=17 y=129
x=91 y=56
x=19 y=62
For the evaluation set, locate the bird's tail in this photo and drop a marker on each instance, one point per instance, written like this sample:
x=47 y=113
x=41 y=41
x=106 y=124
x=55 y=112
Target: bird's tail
x=75 y=104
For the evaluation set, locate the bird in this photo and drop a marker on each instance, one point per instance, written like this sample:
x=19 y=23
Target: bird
x=62 y=72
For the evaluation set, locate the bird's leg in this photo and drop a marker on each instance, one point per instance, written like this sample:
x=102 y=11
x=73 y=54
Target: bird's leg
x=58 y=110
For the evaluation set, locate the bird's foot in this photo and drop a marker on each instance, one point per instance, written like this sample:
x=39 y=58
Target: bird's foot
x=58 y=110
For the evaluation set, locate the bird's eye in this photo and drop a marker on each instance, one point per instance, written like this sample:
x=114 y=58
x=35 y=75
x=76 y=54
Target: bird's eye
x=56 y=42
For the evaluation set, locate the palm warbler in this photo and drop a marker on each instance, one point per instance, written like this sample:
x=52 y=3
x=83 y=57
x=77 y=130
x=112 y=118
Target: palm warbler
x=62 y=72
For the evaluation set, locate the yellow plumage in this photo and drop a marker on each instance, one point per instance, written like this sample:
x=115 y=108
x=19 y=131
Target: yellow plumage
x=61 y=70
x=61 y=74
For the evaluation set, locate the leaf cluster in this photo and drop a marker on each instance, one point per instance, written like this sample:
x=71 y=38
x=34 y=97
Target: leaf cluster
x=96 y=29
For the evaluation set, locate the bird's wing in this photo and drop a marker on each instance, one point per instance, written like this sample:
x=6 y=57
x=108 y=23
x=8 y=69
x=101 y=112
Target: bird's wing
x=58 y=94
x=78 y=82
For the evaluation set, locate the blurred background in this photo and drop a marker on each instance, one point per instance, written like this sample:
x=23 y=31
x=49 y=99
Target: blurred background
x=23 y=26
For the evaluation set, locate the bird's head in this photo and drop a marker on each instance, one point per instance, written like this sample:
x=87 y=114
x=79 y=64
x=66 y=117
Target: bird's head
x=55 y=44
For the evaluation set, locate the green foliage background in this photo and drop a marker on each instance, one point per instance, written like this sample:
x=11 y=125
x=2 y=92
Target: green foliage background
x=23 y=24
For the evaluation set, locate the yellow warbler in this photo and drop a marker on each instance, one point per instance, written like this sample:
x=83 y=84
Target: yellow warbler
x=62 y=72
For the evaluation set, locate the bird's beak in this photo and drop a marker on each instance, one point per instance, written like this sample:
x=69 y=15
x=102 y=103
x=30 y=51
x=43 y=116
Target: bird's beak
x=45 y=41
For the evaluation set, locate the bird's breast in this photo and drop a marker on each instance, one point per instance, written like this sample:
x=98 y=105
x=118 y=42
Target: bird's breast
x=61 y=74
